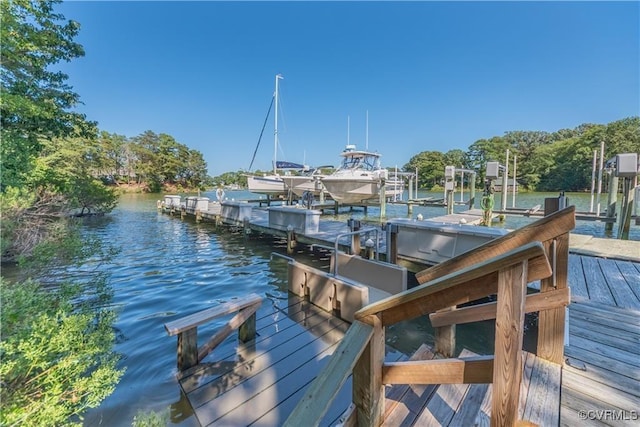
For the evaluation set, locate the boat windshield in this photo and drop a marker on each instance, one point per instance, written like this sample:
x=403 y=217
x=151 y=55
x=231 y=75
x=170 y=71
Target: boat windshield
x=362 y=162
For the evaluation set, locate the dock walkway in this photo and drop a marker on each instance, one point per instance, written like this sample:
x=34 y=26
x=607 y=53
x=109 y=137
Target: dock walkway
x=599 y=383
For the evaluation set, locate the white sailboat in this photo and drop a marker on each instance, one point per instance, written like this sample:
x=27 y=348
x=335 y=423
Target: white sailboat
x=272 y=184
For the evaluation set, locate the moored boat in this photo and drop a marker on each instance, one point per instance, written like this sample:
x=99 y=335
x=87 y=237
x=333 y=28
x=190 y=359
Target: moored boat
x=360 y=178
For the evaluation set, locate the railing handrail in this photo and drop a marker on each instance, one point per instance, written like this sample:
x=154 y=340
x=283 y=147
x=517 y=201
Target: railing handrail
x=440 y=293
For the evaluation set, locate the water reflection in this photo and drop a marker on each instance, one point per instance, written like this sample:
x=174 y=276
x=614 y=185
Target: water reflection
x=168 y=268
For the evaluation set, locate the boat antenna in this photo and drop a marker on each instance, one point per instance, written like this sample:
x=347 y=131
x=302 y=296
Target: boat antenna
x=261 y=132
x=366 y=134
x=348 y=127
x=275 y=132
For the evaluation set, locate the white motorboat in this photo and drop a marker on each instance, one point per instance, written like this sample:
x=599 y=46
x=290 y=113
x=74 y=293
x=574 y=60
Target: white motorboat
x=360 y=178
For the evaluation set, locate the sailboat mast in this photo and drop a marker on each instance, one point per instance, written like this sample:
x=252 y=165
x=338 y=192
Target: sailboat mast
x=366 y=137
x=275 y=131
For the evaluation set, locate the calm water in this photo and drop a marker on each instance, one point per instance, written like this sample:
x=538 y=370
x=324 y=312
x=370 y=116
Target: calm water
x=168 y=267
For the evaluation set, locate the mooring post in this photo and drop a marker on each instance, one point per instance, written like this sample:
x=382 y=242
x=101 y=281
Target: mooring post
x=383 y=198
x=612 y=200
x=247 y=331
x=472 y=190
x=291 y=239
x=354 y=225
x=183 y=212
x=392 y=243
x=624 y=225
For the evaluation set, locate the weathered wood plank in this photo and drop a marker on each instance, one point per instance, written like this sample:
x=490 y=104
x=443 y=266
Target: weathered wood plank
x=507 y=368
x=470 y=405
x=176 y=326
x=549 y=227
x=610 y=396
x=575 y=407
x=284 y=327
x=607 y=377
x=631 y=275
x=274 y=352
x=480 y=312
x=614 y=316
x=236 y=321
x=618 y=286
x=443 y=405
x=596 y=283
x=368 y=388
x=576 y=279
x=543 y=400
x=274 y=401
x=473 y=370
x=404 y=402
x=615 y=354
x=318 y=397
x=603 y=361
x=578 y=326
x=551 y=322
x=594 y=334
x=466 y=285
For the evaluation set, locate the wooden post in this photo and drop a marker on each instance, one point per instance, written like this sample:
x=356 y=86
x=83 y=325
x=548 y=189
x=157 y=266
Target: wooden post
x=247 y=330
x=383 y=199
x=183 y=212
x=450 y=202
x=291 y=240
x=392 y=243
x=354 y=225
x=551 y=323
x=612 y=199
x=410 y=188
x=445 y=338
x=368 y=390
x=409 y=209
x=626 y=209
x=472 y=191
x=507 y=367
x=187 y=349
x=198 y=215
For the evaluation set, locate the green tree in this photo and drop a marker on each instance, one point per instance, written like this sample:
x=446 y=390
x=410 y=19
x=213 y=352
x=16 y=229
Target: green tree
x=430 y=165
x=36 y=101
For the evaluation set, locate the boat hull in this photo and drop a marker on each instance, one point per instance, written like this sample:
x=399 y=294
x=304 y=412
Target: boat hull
x=301 y=184
x=354 y=190
x=351 y=190
x=272 y=185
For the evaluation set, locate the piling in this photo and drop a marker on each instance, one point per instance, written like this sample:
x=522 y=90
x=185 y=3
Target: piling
x=611 y=200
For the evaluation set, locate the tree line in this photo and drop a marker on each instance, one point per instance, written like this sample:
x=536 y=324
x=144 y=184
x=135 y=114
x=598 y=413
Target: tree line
x=546 y=161
x=155 y=160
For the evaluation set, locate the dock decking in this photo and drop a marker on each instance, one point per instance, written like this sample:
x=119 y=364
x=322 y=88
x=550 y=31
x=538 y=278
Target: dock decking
x=260 y=384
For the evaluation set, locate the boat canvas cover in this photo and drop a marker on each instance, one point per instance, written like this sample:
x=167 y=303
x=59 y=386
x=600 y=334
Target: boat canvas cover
x=288 y=165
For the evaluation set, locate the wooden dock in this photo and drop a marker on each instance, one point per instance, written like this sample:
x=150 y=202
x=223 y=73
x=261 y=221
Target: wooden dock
x=260 y=384
x=598 y=383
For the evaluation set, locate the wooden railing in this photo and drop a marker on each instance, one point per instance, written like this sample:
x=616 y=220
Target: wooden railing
x=553 y=231
x=502 y=267
x=186 y=328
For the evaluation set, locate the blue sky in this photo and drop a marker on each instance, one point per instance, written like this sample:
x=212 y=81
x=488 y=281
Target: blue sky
x=432 y=75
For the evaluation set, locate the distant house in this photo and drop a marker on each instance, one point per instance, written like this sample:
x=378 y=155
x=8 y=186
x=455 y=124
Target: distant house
x=510 y=184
